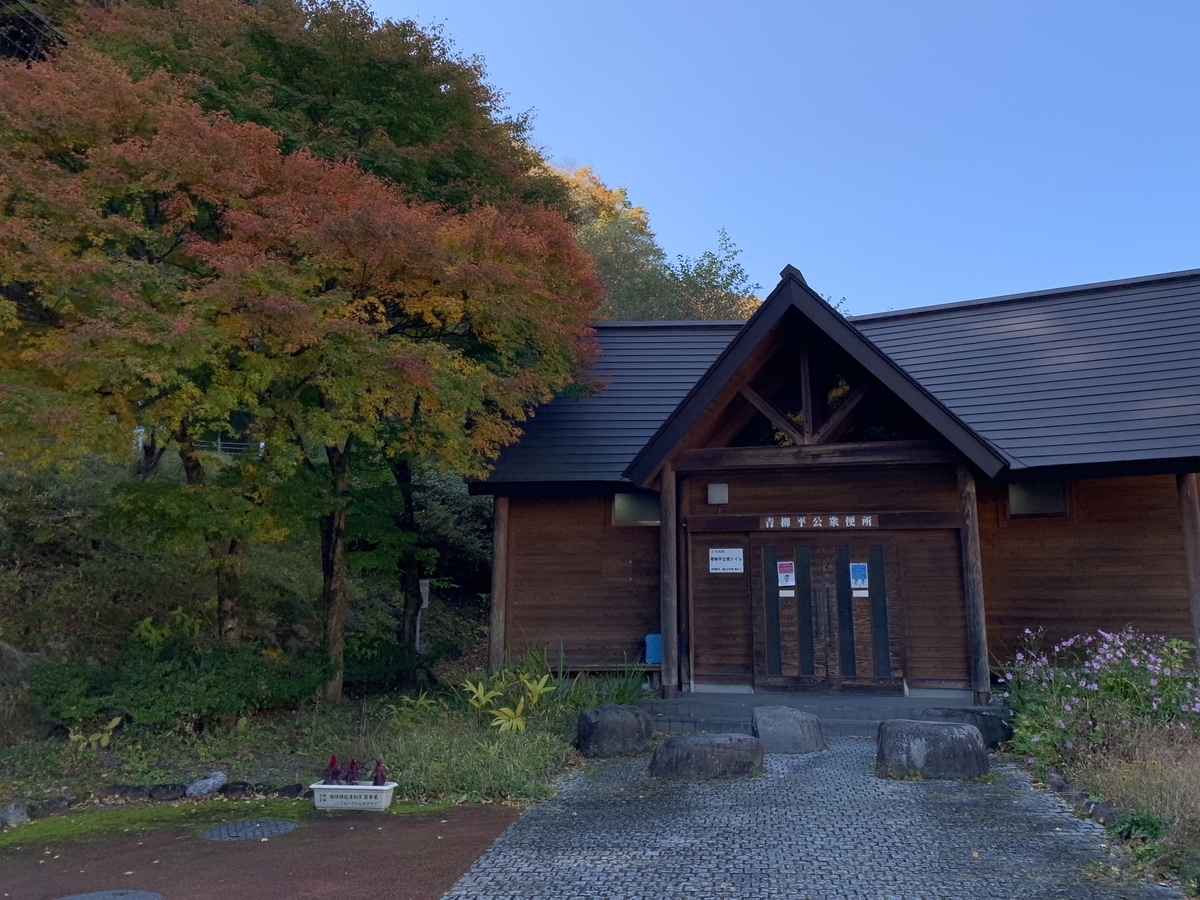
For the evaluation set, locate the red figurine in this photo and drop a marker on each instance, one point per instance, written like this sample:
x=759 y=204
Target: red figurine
x=333 y=772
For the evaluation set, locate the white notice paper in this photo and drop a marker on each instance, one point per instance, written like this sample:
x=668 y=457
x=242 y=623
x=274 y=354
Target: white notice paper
x=725 y=559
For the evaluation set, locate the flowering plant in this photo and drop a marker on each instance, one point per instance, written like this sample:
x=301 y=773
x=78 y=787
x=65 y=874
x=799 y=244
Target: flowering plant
x=353 y=773
x=1071 y=699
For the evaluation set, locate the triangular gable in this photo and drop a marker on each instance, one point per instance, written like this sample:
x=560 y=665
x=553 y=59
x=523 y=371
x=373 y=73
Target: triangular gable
x=793 y=292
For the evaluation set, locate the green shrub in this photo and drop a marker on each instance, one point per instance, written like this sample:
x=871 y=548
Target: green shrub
x=529 y=691
x=178 y=683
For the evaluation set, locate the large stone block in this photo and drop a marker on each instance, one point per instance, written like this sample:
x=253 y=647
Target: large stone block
x=785 y=730
x=908 y=748
x=707 y=756
x=992 y=725
x=612 y=730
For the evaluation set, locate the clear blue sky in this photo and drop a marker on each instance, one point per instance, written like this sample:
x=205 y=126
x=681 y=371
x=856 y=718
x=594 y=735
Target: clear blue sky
x=899 y=154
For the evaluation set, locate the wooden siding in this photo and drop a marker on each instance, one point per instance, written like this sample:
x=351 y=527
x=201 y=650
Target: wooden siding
x=1117 y=560
x=877 y=490
x=934 y=609
x=722 y=636
x=579 y=587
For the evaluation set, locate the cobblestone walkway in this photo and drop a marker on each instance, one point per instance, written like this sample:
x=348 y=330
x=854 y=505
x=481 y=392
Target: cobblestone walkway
x=816 y=826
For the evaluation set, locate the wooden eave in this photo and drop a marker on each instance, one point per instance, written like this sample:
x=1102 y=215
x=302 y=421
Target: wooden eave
x=549 y=488
x=793 y=292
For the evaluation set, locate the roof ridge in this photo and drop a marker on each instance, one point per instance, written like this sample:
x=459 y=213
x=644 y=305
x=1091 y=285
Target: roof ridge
x=1165 y=277
x=668 y=323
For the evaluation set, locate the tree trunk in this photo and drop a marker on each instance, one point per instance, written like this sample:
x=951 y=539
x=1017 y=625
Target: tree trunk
x=407 y=563
x=152 y=454
x=335 y=588
x=229 y=555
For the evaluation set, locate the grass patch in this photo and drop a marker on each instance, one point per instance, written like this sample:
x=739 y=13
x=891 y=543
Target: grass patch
x=439 y=749
x=97 y=824
x=193 y=817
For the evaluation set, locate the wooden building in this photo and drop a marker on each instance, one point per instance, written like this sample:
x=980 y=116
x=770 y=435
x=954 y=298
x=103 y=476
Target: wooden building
x=805 y=501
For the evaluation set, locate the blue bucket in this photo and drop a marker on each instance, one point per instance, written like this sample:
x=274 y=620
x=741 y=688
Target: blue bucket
x=654 y=649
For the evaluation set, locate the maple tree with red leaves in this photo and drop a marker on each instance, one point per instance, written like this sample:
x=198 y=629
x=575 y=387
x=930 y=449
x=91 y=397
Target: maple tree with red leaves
x=175 y=270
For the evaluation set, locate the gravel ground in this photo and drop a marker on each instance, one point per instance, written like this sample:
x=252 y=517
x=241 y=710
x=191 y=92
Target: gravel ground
x=815 y=826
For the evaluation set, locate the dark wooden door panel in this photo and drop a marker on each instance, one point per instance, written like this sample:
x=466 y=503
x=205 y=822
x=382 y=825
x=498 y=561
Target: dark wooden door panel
x=823 y=629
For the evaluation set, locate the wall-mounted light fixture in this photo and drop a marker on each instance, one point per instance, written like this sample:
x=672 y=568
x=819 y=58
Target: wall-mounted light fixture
x=718 y=494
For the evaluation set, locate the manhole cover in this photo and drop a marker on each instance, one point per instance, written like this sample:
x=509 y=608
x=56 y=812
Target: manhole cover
x=116 y=895
x=249 y=830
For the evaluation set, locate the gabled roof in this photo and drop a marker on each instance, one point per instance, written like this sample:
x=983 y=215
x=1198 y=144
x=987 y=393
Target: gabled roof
x=1088 y=375
x=646 y=369
x=1076 y=377
x=793 y=292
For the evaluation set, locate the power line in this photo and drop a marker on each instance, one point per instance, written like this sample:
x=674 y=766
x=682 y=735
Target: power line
x=25 y=32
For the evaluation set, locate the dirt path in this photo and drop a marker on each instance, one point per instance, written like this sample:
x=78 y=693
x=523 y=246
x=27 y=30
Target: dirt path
x=412 y=857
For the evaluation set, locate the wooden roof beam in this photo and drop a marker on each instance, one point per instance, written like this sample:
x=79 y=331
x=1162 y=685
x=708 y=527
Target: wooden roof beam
x=843 y=417
x=776 y=415
x=750 y=459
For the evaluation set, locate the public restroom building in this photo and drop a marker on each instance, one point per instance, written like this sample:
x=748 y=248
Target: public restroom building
x=806 y=501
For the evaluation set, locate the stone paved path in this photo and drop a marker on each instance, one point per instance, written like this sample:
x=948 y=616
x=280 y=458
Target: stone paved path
x=816 y=826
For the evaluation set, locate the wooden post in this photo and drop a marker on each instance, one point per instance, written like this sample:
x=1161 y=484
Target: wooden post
x=499 y=582
x=1189 y=503
x=806 y=391
x=972 y=556
x=669 y=585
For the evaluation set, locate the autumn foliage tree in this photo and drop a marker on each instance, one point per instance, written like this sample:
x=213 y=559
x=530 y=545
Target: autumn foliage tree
x=172 y=269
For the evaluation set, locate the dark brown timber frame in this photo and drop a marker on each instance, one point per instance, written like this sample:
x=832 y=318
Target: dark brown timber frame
x=1189 y=502
x=793 y=292
x=973 y=586
x=669 y=597
x=499 y=582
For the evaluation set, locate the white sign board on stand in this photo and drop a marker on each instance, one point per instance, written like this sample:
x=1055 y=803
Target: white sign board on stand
x=725 y=559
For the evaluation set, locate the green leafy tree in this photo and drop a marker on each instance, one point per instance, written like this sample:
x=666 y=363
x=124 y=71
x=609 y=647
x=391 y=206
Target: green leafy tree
x=639 y=281
x=329 y=77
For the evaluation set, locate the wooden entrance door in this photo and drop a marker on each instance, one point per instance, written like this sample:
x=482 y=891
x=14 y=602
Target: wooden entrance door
x=826 y=611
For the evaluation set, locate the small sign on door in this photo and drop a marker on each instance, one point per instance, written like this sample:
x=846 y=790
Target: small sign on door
x=787 y=573
x=725 y=559
x=859 y=585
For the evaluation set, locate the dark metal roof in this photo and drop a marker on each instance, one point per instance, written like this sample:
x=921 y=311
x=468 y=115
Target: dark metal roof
x=646 y=369
x=1088 y=375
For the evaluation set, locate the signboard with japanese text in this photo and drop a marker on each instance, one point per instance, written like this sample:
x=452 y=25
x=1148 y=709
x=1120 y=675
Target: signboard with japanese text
x=810 y=521
x=725 y=560
x=786 y=571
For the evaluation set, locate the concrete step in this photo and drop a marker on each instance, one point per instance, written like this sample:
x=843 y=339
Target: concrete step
x=683 y=710
x=833 y=727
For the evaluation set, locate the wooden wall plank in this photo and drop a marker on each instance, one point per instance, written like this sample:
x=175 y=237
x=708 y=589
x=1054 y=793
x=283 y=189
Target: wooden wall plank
x=1118 y=561
x=580 y=589
x=872 y=490
x=722 y=638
